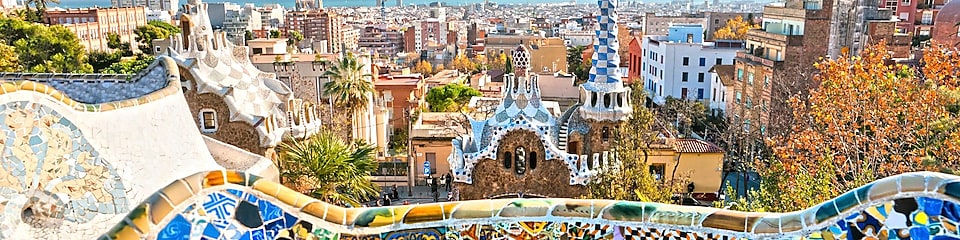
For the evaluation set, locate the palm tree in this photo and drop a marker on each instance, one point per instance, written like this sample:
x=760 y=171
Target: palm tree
x=327 y=168
x=348 y=87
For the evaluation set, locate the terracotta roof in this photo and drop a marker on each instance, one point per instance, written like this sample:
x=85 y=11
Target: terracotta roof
x=686 y=145
x=726 y=73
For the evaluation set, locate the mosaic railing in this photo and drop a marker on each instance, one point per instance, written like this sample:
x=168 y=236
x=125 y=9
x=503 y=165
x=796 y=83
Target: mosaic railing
x=163 y=67
x=235 y=205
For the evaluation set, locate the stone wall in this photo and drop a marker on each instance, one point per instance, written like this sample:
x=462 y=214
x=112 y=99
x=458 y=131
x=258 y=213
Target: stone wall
x=595 y=142
x=239 y=134
x=548 y=178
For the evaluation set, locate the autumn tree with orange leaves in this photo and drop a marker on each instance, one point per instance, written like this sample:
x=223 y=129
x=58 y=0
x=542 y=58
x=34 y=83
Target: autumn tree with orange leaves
x=868 y=119
x=735 y=29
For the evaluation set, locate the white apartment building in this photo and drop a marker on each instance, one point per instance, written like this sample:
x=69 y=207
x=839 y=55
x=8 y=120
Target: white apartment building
x=171 y=6
x=678 y=64
x=577 y=37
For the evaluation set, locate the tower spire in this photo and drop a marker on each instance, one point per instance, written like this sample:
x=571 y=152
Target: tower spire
x=603 y=96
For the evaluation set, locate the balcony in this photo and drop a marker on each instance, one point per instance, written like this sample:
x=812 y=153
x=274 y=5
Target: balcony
x=747 y=57
x=759 y=35
x=782 y=12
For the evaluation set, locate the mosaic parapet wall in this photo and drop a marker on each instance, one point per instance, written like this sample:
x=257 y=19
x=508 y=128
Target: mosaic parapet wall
x=73 y=167
x=235 y=205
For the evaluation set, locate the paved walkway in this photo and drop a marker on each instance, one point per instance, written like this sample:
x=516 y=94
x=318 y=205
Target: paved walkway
x=420 y=195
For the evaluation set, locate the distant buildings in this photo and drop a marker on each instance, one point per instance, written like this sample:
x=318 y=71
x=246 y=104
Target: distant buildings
x=7 y=5
x=92 y=24
x=547 y=55
x=677 y=64
x=321 y=27
x=171 y=6
x=654 y=24
x=379 y=38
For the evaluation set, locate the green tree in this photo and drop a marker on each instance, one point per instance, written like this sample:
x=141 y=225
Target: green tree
x=153 y=30
x=101 y=60
x=631 y=179
x=114 y=42
x=451 y=97
x=248 y=35
x=35 y=9
x=8 y=59
x=327 y=168
x=294 y=37
x=576 y=64
x=274 y=34
x=349 y=86
x=41 y=48
x=132 y=66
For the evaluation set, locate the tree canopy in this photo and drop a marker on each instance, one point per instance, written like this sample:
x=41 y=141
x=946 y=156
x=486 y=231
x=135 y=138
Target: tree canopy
x=40 y=48
x=868 y=119
x=463 y=64
x=423 y=67
x=576 y=64
x=153 y=30
x=131 y=66
x=451 y=97
x=631 y=180
x=328 y=168
x=735 y=29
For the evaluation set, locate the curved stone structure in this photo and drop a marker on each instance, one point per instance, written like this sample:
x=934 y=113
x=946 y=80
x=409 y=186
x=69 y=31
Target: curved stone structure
x=235 y=205
x=79 y=151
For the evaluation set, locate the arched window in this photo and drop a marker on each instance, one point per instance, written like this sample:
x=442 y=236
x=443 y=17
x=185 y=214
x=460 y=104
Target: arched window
x=533 y=160
x=507 y=160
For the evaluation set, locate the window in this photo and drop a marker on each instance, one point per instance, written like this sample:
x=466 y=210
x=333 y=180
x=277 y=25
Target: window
x=699 y=77
x=208 y=120
x=714 y=96
x=686 y=61
x=739 y=74
x=683 y=93
x=904 y=2
x=520 y=160
x=766 y=81
x=533 y=160
x=927 y=17
x=685 y=76
x=749 y=102
x=719 y=61
x=904 y=16
x=507 y=159
x=738 y=96
x=750 y=79
x=703 y=62
x=699 y=93
x=716 y=21
x=657 y=170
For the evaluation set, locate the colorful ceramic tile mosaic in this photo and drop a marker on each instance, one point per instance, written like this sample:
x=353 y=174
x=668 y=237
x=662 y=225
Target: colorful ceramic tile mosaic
x=235 y=205
x=49 y=168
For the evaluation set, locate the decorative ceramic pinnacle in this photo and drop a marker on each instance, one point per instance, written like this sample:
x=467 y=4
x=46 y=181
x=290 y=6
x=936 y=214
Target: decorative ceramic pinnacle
x=606 y=60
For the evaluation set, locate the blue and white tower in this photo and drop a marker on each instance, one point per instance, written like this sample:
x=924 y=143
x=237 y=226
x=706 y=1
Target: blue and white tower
x=603 y=96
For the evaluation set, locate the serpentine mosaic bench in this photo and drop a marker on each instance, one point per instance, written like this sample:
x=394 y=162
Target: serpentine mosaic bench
x=235 y=205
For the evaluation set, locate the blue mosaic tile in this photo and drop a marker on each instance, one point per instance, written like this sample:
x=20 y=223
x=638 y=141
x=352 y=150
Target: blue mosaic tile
x=220 y=205
x=269 y=211
x=178 y=228
x=211 y=231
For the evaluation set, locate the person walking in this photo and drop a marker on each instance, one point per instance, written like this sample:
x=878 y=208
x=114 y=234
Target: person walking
x=449 y=182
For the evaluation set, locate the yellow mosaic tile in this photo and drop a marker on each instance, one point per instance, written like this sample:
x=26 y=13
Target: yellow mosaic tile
x=177 y=192
x=316 y=208
x=767 y=225
x=424 y=213
x=159 y=208
x=727 y=220
x=214 y=178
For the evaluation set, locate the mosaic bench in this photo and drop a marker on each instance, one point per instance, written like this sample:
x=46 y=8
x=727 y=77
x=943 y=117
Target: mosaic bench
x=235 y=205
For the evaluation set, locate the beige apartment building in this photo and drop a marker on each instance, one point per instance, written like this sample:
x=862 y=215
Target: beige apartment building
x=547 y=55
x=92 y=24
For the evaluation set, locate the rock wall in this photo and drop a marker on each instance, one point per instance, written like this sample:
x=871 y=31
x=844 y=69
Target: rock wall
x=221 y=204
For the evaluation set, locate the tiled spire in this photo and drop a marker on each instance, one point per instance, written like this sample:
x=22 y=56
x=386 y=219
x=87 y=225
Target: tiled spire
x=606 y=60
x=603 y=96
